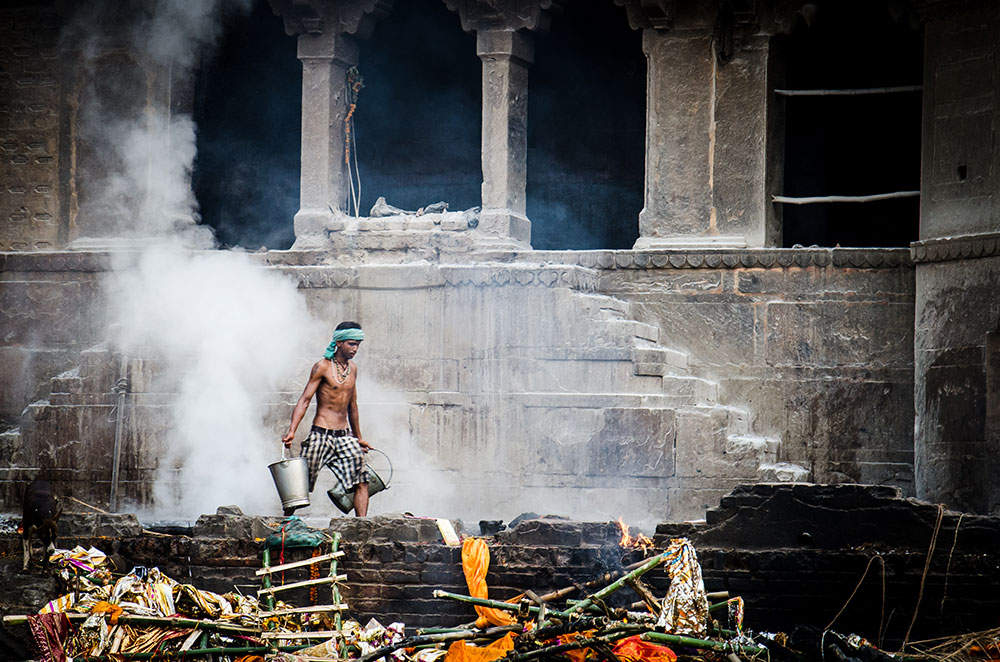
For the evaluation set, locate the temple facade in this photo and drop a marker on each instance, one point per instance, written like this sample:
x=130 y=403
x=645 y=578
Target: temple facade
x=644 y=381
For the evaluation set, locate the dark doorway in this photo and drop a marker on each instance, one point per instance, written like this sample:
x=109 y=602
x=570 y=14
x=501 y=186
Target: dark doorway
x=247 y=109
x=856 y=145
x=586 y=130
x=417 y=123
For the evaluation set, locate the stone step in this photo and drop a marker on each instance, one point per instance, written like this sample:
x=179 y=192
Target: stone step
x=765 y=448
x=701 y=391
x=783 y=472
x=653 y=359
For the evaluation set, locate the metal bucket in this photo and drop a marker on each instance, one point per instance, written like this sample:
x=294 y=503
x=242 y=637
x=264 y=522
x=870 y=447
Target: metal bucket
x=291 y=477
x=344 y=499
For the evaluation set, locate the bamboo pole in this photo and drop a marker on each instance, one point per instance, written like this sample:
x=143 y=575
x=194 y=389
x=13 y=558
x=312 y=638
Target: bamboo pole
x=338 y=621
x=266 y=582
x=843 y=198
x=309 y=582
x=157 y=621
x=704 y=644
x=850 y=91
x=579 y=643
x=443 y=637
x=241 y=650
x=483 y=602
x=298 y=564
x=613 y=586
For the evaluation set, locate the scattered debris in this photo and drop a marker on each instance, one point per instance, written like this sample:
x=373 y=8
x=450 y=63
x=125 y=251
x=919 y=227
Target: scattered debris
x=145 y=615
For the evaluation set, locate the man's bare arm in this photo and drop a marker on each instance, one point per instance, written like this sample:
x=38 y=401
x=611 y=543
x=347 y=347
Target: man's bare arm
x=315 y=379
x=352 y=413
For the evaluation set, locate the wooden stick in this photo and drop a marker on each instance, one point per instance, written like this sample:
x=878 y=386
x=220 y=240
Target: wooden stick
x=648 y=599
x=844 y=198
x=849 y=92
x=316 y=609
x=308 y=582
x=298 y=564
x=613 y=586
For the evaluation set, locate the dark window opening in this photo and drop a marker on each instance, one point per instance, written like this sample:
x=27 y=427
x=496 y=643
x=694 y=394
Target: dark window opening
x=247 y=110
x=855 y=145
x=586 y=130
x=417 y=122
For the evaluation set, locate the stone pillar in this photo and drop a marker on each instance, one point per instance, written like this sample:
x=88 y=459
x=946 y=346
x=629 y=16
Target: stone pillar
x=679 y=116
x=706 y=142
x=324 y=175
x=506 y=56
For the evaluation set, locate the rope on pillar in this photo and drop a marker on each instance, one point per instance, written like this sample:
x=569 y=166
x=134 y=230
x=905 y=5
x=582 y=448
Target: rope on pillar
x=354 y=84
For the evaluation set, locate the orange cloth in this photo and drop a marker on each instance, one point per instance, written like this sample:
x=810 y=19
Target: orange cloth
x=103 y=607
x=634 y=649
x=475 y=564
x=462 y=652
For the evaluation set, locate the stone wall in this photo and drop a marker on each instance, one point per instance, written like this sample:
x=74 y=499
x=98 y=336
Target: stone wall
x=957 y=266
x=30 y=115
x=794 y=553
x=592 y=384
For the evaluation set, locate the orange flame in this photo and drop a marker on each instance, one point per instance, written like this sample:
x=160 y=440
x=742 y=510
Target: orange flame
x=638 y=541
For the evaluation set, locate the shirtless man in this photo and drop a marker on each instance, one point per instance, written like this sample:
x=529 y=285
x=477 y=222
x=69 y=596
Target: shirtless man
x=331 y=443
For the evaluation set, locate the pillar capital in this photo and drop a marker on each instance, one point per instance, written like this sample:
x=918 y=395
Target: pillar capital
x=354 y=17
x=508 y=16
x=517 y=46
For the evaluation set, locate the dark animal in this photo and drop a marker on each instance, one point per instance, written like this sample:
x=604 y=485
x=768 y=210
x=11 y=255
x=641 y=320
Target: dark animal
x=40 y=518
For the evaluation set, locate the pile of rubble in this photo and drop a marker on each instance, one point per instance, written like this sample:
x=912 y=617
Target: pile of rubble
x=146 y=615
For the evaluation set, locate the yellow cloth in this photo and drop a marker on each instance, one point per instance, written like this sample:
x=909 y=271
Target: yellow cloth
x=475 y=564
x=462 y=652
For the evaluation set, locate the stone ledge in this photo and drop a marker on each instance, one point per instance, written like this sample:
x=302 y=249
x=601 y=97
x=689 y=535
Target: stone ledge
x=961 y=247
x=752 y=258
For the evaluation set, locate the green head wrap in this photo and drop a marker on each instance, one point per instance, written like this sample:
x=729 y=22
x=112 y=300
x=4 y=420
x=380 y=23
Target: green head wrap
x=342 y=334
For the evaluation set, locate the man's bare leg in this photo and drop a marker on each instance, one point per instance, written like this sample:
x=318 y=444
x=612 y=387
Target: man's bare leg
x=361 y=500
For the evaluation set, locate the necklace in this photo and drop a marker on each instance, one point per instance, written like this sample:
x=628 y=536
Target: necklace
x=341 y=373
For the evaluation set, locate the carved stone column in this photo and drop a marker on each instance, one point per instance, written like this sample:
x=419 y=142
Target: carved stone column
x=707 y=134
x=506 y=56
x=324 y=176
x=504 y=44
x=327 y=49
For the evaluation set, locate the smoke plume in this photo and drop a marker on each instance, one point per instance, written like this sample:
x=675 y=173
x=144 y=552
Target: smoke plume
x=220 y=330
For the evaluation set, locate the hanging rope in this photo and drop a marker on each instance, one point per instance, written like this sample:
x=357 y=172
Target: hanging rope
x=354 y=84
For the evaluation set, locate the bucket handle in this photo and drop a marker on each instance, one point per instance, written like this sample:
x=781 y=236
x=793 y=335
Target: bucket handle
x=382 y=453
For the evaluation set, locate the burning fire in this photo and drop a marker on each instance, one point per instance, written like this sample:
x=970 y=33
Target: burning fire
x=638 y=541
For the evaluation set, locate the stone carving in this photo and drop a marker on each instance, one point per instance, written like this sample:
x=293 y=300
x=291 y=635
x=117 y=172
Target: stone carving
x=646 y=14
x=956 y=248
x=354 y=17
x=477 y=15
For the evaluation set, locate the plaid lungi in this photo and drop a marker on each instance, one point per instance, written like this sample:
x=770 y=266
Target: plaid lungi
x=339 y=451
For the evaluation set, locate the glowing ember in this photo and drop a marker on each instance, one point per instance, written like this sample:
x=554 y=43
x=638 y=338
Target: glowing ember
x=638 y=541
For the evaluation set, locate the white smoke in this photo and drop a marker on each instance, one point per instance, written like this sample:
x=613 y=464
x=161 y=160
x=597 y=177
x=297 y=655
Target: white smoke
x=222 y=331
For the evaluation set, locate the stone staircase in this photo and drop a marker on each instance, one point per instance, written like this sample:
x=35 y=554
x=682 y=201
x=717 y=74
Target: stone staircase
x=712 y=439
